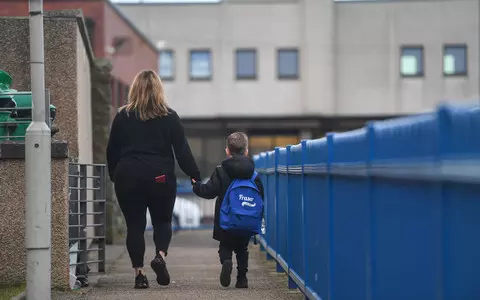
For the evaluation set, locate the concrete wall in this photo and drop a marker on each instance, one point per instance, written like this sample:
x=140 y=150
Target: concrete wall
x=369 y=37
x=12 y=214
x=140 y=56
x=317 y=54
x=223 y=28
x=349 y=53
x=66 y=75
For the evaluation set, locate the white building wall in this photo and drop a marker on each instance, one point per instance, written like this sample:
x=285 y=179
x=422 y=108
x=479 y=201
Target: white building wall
x=84 y=104
x=317 y=55
x=349 y=54
x=223 y=28
x=369 y=37
x=85 y=131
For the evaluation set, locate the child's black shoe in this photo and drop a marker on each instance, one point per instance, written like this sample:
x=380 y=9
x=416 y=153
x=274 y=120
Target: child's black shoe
x=242 y=282
x=225 y=275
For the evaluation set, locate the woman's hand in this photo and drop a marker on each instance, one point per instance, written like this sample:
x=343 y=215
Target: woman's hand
x=193 y=181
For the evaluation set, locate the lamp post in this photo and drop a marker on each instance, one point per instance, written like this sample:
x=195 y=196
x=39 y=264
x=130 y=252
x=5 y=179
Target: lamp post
x=38 y=169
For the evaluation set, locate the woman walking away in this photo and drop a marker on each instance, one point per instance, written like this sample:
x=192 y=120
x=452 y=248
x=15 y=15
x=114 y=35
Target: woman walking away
x=145 y=135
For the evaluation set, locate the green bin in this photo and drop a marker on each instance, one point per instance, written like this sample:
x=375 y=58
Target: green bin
x=4 y=118
x=16 y=109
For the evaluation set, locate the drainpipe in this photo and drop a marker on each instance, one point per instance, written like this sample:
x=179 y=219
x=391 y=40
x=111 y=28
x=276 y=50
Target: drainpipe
x=38 y=169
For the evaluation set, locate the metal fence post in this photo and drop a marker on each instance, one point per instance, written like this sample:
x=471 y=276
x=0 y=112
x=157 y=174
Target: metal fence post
x=291 y=283
x=74 y=218
x=102 y=218
x=82 y=245
x=96 y=195
x=304 y=214
x=372 y=228
x=331 y=250
x=267 y=213
x=444 y=144
x=277 y=154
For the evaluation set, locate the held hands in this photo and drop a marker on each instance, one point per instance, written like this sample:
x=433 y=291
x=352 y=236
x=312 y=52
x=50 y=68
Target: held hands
x=193 y=181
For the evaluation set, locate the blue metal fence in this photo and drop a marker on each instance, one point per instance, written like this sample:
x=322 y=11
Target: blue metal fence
x=388 y=211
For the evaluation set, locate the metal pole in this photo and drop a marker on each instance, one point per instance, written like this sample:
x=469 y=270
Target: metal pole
x=38 y=170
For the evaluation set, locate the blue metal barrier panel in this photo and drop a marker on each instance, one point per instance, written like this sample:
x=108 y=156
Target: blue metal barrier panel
x=317 y=218
x=271 y=202
x=295 y=212
x=350 y=197
x=282 y=205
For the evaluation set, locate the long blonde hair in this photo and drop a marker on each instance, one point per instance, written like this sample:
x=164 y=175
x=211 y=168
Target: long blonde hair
x=146 y=97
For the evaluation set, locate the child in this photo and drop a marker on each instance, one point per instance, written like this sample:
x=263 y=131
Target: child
x=235 y=175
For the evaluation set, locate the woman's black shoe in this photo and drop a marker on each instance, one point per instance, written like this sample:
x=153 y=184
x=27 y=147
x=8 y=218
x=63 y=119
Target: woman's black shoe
x=141 y=281
x=159 y=266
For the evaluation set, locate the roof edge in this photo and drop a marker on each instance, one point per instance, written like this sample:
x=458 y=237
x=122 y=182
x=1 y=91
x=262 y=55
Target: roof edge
x=131 y=25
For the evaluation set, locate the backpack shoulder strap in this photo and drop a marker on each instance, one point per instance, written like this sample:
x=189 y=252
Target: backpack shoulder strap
x=254 y=175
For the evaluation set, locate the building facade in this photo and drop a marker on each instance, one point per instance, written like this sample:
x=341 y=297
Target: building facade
x=112 y=36
x=313 y=57
x=284 y=70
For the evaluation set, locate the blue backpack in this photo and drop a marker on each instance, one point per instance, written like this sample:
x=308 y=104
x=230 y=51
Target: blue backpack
x=242 y=207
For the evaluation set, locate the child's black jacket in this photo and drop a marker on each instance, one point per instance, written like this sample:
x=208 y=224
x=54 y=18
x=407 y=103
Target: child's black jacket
x=235 y=167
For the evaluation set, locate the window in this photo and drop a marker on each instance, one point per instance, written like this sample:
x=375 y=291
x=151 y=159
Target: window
x=287 y=60
x=122 y=45
x=166 y=65
x=200 y=65
x=246 y=64
x=455 y=60
x=411 y=63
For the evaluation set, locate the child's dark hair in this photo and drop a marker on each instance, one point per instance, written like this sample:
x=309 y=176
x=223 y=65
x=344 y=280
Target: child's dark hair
x=237 y=143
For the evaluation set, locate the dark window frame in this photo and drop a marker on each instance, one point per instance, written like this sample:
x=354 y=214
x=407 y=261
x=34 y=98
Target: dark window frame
x=255 y=63
x=288 y=77
x=455 y=46
x=172 y=52
x=123 y=45
x=422 y=63
x=190 y=52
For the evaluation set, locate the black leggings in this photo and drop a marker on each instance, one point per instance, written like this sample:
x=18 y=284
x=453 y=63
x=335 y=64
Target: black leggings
x=134 y=197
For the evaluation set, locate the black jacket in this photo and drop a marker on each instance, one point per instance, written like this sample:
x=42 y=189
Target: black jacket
x=236 y=167
x=144 y=148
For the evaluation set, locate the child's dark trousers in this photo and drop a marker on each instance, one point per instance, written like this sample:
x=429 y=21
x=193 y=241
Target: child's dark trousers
x=239 y=245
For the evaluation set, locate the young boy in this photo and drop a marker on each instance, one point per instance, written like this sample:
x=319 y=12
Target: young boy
x=237 y=166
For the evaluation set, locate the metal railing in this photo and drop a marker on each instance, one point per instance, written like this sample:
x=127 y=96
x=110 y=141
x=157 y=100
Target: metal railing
x=87 y=219
x=389 y=211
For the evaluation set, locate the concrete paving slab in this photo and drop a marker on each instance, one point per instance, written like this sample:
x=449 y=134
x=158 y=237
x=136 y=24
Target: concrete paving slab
x=194 y=269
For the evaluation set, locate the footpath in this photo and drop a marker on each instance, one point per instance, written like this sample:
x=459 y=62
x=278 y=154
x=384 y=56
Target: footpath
x=194 y=269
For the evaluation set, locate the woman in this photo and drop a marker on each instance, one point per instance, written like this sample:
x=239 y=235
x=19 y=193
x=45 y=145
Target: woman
x=145 y=135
